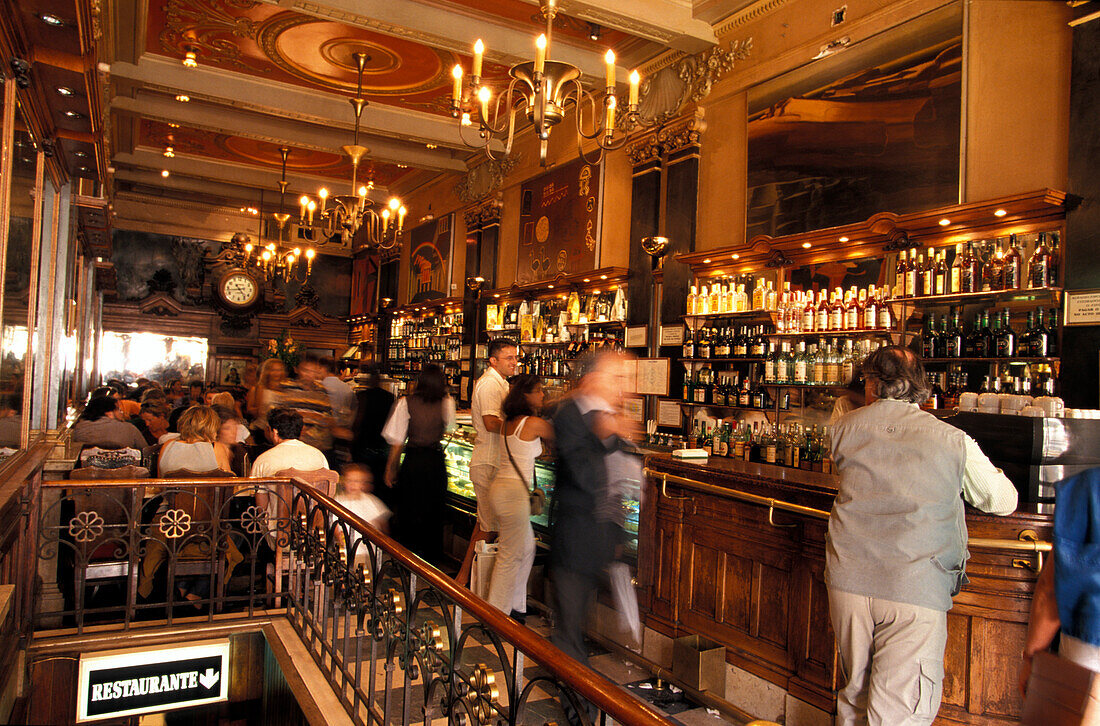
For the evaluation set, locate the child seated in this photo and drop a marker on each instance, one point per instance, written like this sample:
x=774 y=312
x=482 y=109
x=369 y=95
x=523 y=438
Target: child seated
x=356 y=484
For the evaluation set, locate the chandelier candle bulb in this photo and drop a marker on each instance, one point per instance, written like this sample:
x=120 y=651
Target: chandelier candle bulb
x=635 y=81
x=457 y=73
x=401 y=218
x=385 y=220
x=540 y=54
x=303 y=202
x=609 y=58
x=479 y=52
x=483 y=96
x=323 y=194
x=309 y=208
x=610 y=126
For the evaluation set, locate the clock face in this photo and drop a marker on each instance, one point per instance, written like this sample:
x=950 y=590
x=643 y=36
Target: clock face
x=239 y=289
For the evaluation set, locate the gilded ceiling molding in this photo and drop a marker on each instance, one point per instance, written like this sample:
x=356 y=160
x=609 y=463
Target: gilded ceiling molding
x=486 y=179
x=644 y=150
x=482 y=216
x=211 y=28
x=373 y=23
x=682 y=134
x=628 y=24
x=664 y=94
x=754 y=12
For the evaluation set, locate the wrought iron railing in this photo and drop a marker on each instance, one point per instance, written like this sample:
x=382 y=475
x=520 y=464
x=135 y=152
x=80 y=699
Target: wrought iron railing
x=398 y=640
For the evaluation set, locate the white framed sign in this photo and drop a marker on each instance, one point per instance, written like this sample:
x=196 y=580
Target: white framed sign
x=652 y=376
x=635 y=337
x=127 y=682
x=672 y=334
x=668 y=413
x=634 y=409
x=1082 y=307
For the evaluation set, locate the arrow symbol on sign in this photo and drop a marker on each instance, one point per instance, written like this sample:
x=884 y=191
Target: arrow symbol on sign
x=209 y=679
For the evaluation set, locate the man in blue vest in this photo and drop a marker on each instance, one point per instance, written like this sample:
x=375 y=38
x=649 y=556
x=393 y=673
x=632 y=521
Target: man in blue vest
x=896 y=552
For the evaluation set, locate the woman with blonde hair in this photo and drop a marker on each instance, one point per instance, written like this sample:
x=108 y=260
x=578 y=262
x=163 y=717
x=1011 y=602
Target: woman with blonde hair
x=197 y=449
x=263 y=397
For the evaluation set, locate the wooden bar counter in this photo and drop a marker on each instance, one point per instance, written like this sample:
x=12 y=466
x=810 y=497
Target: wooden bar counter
x=735 y=551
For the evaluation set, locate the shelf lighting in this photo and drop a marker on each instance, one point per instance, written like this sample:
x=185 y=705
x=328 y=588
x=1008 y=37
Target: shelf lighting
x=842 y=239
x=1000 y=213
x=706 y=261
x=806 y=245
x=65 y=90
x=735 y=256
x=183 y=98
x=190 y=60
x=603 y=277
x=944 y=222
x=51 y=19
x=169 y=152
x=164 y=173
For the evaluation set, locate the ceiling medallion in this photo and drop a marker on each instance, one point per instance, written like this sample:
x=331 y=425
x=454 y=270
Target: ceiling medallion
x=543 y=89
x=350 y=213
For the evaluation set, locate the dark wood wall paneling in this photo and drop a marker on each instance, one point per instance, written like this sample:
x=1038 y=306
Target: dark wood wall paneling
x=1082 y=264
x=681 y=197
x=645 y=208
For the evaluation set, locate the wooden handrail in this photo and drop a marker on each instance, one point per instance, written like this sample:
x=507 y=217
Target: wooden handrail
x=1006 y=545
x=603 y=693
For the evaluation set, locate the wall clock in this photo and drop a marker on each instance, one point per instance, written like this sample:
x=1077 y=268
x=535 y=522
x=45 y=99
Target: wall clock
x=237 y=289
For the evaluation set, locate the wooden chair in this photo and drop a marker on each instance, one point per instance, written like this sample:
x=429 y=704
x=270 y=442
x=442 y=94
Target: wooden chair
x=323 y=479
x=102 y=564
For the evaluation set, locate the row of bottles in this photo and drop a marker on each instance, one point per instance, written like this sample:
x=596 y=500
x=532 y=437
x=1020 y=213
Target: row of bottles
x=986 y=266
x=948 y=387
x=731 y=389
x=553 y=360
x=437 y=351
x=826 y=363
x=790 y=445
x=546 y=321
x=422 y=332
x=746 y=342
x=855 y=309
x=730 y=296
x=1039 y=338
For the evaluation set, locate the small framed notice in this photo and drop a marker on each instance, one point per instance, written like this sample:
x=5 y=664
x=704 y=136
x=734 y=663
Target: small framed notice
x=482 y=351
x=635 y=337
x=672 y=335
x=652 y=376
x=634 y=409
x=630 y=375
x=668 y=413
x=1082 y=307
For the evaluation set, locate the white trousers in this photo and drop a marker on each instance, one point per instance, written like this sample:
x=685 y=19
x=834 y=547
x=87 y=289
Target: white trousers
x=510 y=504
x=891 y=660
x=481 y=476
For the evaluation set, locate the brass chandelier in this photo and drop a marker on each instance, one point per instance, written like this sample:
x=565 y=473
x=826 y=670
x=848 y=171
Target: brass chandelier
x=543 y=89
x=348 y=214
x=274 y=259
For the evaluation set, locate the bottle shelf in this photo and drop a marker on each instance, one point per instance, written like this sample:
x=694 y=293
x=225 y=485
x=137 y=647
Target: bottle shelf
x=597 y=324
x=694 y=404
x=760 y=315
x=1015 y=360
x=536 y=344
x=720 y=360
x=858 y=333
x=818 y=386
x=961 y=298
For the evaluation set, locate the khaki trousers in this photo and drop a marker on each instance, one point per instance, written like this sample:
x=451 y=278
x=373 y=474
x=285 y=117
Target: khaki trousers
x=891 y=660
x=481 y=476
x=511 y=506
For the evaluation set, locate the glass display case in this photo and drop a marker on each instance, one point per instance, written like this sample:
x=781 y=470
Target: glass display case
x=459 y=445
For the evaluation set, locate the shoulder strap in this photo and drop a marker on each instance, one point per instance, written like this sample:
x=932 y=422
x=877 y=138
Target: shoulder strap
x=515 y=465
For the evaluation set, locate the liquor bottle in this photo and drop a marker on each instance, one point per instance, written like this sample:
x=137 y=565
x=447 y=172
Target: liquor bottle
x=929 y=341
x=770 y=365
x=992 y=277
x=899 y=276
x=969 y=277
x=744 y=395
x=847 y=364
x=758 y=396
x=821 y=321
x=784 y=365
x=955 y=273
x=1038 y=267
x=1004 y=338
x=689 y=343
x=1053 y=348
x=801 y=364
x=940 y=274
x=869 y=314
x=809 y=314
x=758 y=295
x=771 y=299
x=1055 y=260
x=703 y=345
x=953 y=338
x=912 y=274
x=816 y=365
x=1026 y=343
x=1012 y=266
x=722 y=344
x=740 y=344
x=836 y=310
x=984 y=347
x=832 y=364
x=727 y=297
x=768 y=444
x=758 y=344
x=928 y=274
x=885 y=319
x=702 y=388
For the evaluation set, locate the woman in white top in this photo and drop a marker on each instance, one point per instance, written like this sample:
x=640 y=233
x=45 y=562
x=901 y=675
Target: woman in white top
x=510 y=494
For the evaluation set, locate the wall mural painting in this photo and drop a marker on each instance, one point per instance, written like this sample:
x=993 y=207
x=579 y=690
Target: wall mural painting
x=559 y=222
x=364 y=285
x=430 y=259
x=886 y=138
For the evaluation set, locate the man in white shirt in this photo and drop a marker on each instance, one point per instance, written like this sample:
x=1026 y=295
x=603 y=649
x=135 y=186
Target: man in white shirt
x=288 y=452
x=489 y=393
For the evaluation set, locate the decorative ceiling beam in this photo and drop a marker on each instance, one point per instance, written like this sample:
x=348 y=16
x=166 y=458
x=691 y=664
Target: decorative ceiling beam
x=450 y=28
x=668 y=22
x=279 y=131
x=235 y=90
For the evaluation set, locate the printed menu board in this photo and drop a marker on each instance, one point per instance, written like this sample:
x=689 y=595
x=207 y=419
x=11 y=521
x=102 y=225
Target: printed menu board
x=559 y=222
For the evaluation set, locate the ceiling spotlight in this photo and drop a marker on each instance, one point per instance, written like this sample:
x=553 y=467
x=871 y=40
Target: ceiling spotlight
x=169 y=152
x=944 y=222
x=432 y=146
x=182 y=98
x=735 y=256
x=65 y=90
x=706 y=261
x=190 y=60
x=172 y=125
x=81 y=154
x=74 y=114
x=50 y=19
x=402 y=166
x=1000 y=213
x=82 y=168
x=843 y=239
x=164 y=173
x=594 y=31
x=806 y=245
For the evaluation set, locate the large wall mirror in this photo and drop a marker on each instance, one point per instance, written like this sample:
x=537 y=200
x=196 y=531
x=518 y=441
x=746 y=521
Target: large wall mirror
x=868 y=128
x=24 y=211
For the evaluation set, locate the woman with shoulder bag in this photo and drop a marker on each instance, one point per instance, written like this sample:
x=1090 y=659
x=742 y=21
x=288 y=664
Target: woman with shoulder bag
x=514 y=492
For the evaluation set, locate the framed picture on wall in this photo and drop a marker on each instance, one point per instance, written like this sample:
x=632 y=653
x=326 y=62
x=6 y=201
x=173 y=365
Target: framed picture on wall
x=559 y=222
x=430 y=259
x=230 y=371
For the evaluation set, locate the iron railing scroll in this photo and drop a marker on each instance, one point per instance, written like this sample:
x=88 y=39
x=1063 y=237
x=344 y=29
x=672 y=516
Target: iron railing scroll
x=398 y=640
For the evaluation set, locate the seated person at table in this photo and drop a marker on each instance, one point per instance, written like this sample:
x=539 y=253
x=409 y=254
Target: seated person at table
x=229 y=435
x=197 y=449
x=289 y=452
x=195 y=397
x=100 y=425
x=152 y=421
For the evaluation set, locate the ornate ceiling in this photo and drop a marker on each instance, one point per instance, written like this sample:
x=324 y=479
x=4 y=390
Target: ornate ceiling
x=274 y=73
